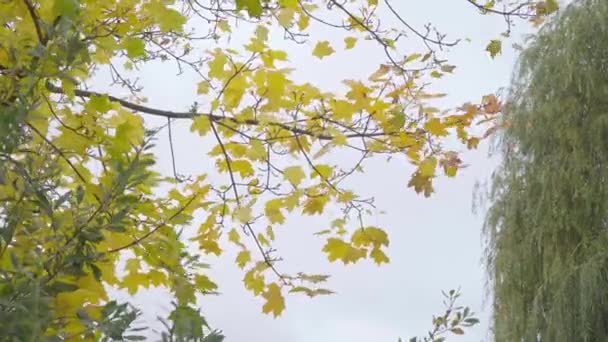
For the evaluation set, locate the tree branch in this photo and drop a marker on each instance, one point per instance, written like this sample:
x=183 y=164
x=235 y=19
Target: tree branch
x=212 y=117
x=159 y=226
x=36 y=20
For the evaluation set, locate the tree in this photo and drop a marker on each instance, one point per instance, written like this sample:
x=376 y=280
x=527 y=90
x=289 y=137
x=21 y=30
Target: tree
x=78 y=190
x=546 y=222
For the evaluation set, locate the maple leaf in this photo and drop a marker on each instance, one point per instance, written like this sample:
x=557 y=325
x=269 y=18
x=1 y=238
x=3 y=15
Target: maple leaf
x=337 y=249
x=294 y=175
x=350 y=42
x=253 y=7
x=204 y=284
x=436 y=127
x=322 y=49
x=275 y=303
x=243 y=258
x=243 y=214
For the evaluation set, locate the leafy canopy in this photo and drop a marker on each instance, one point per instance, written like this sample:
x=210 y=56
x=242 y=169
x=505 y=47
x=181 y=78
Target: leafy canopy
x=79 y=191
x=546 y=225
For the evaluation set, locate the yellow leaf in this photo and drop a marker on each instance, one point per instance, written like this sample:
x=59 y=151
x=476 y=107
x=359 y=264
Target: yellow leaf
x=272 y=210
x=294 y=175
x=201 y=124
x=262 y=240
x=216 y=66
x=413 y=57
x=202 y=88
x=224 y=25
x=261 y=33
x=156 y=277
x=233 y=236
x=254 y=281
x=133 y=265
x=242 y=167
x=243 y=258
x=275 y=303
x=427 y=167
x=285 y=17
x=270 y=233
x=303 y=22
x=350 y=42
x=322 y=49
x=436 y=127
x=315 y=205
x=243 y=214
x=378 y=256
x=203 y=283
x=337 y=249
x=322 y=170
x=370 y=236
x=257 y=150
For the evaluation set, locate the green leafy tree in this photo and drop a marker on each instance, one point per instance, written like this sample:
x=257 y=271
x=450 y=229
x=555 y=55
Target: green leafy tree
x=78 y=188
x=546 y=224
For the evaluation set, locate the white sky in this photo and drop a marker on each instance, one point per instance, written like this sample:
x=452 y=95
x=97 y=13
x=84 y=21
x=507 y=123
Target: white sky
x=435 y=243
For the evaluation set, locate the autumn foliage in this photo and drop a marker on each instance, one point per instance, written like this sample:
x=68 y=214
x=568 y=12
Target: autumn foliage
x=82 y=207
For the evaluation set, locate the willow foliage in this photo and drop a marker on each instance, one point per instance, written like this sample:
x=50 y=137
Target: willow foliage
x=548 y=216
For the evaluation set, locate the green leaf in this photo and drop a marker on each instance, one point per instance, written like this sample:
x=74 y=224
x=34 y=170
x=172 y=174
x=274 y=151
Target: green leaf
x=65 y=8
x=135 y=47
x=253 y=7
x=214 y=337
x=457 y=331
x=59 y=286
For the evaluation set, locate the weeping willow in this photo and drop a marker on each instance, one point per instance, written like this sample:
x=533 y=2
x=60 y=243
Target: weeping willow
x=547 y=220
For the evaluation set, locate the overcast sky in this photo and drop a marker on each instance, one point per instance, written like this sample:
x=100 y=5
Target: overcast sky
x=435 y=242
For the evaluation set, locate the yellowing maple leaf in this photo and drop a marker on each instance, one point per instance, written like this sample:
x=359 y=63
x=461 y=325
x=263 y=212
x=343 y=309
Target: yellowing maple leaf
x=350 y=42
x=337 y=249
x=201 y=124
x=436 y=127
x=275 y=303
x=315 y=205
x=204 y=284
x=294 y=175
x=370 y=236
x=427 y=167
x=285 y=17
x=243 y=214
x=378 y=256
x=233 y=236
x=254 y=281
x=272 y=210
x=322 y=49
x=202 y=88
x=242 y=167
x=243 y=258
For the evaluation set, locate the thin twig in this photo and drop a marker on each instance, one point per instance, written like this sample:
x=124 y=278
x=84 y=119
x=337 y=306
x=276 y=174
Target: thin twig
x=137 y=241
